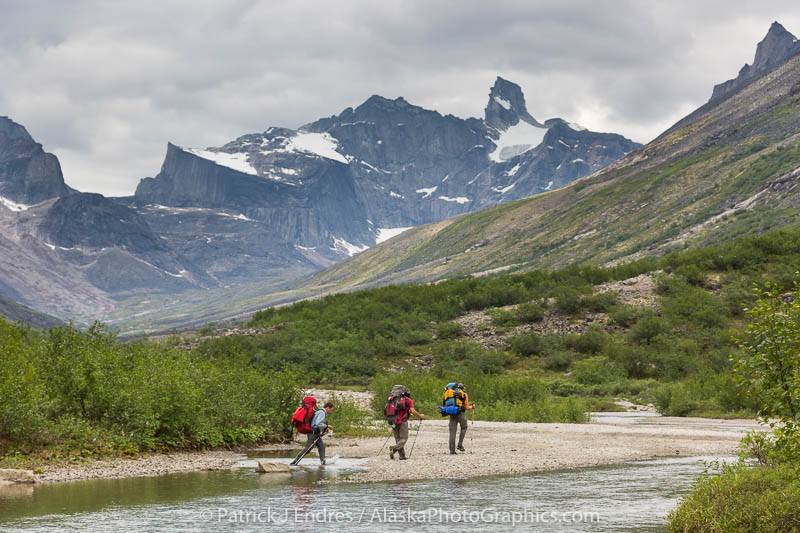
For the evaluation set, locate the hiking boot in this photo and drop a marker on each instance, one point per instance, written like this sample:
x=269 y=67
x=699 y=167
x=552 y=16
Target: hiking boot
x=322 y=461
x=453 y=453
x=404 y=458
x=461 y=448
x=391 y=452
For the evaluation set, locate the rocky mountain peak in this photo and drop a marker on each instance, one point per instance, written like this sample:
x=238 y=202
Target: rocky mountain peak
x=28 y=175
x=506 y=106
x=776 y=47
x=11 y=131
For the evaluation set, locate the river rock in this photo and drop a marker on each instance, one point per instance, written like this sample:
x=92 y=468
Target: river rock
x=271 y=468
x=10 y=476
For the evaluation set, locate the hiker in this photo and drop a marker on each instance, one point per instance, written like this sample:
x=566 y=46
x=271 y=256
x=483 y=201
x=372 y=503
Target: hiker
x=319 y=425
x=457 y=399
x=398 y=408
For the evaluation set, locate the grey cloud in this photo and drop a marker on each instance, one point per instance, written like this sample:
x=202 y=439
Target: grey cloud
x=105 y=85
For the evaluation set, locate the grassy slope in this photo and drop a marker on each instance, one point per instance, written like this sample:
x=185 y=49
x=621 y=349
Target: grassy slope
x=16 y=312
x=668 y=195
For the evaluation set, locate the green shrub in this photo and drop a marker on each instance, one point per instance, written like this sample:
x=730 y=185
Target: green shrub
x=567 y=300
x=349 y=418
x=624 y=315
x=647 y=327
x=449 y=330
x=637 y=361
x=595 y=370
x=590 y=342
x=693 y=274
x=737 y=296
x=527 y=344
x=764 y=499
x=601 y=302
x=559 y=361
x=674 y=399
x=530 y=312
x=503 y=317
x=498 y=397
x=23 y=403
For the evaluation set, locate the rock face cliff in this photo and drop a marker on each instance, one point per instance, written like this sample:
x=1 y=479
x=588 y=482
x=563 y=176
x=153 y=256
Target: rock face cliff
x=340 y=184
x=271 y=207
x=28 y=175
x=776 y=47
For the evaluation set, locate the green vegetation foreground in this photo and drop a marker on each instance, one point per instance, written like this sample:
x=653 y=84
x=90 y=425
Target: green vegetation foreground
x=764 y=497
x=73 y=392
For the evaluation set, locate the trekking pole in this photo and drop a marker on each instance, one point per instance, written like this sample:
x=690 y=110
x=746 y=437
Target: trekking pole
x=304 y=451
x=473 y=429
x=384 y=444
x=415 y=439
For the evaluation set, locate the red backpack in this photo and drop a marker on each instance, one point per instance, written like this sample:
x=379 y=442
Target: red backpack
x=301 y=419
x=396 y=407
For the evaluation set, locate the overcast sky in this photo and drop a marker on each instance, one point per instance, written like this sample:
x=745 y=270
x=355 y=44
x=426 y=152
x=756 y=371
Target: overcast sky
x=105 y=85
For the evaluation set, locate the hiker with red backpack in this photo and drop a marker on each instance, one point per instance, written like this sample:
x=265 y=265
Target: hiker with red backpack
x=398 y=408
x=313 y=423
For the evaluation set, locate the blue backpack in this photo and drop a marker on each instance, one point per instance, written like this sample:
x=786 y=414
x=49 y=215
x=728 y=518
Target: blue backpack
x=450 y=404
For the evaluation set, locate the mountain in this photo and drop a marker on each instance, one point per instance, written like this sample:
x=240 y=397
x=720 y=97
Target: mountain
x=218 y=228
x=15 y=312
x=28 y=175
x=340 y=184
x=730 y=168
x=776 y=47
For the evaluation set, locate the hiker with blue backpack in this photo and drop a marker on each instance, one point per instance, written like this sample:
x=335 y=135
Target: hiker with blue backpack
x=456 y=404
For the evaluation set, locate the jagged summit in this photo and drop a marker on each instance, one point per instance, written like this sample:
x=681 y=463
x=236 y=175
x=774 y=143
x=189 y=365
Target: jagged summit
x=506 y=106
x=11 y=131
x=28 y=175
x=776 y=47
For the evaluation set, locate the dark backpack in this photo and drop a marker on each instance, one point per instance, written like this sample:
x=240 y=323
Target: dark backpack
x=396 y=404
x=395 y=407
x=301 y=419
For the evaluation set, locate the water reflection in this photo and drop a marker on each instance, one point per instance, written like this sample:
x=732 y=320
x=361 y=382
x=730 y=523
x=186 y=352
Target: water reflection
x=631 y=497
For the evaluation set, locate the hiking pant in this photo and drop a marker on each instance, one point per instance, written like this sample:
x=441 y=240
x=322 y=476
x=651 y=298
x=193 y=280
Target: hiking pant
x=401 y=437
x=455 y=420
x=310 y=442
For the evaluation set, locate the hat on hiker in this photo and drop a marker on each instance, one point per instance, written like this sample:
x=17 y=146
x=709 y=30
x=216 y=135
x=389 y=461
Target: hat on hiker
x=460 y=385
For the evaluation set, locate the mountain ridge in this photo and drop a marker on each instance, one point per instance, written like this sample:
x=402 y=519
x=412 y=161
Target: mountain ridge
x=728 y=168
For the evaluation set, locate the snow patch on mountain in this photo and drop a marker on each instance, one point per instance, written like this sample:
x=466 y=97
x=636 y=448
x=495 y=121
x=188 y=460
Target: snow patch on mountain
x=517 y=140
x=236 y=161
x=428 y=191
x=321 y=144
x=575 y=126
x=503 y=190
x=384 y=234
x=503 y=102
x=458 y=199
x=341 y=245
x=14 y=206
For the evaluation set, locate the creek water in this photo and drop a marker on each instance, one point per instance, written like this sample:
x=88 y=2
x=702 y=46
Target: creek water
x=631 y=497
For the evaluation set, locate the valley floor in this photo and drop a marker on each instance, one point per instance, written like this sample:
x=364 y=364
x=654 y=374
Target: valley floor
x=493 y=448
